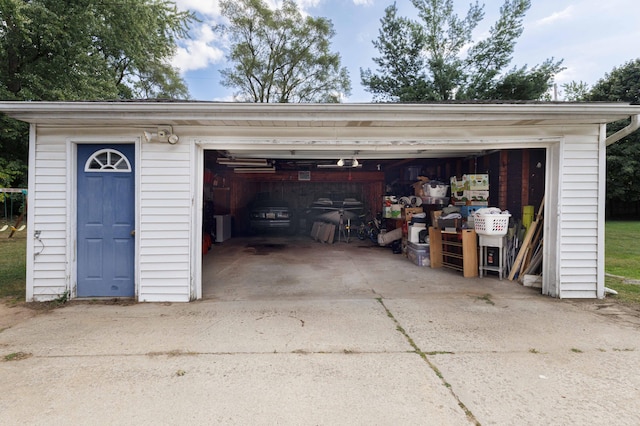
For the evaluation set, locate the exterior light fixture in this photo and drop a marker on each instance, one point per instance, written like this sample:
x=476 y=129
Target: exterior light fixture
x=164 y=134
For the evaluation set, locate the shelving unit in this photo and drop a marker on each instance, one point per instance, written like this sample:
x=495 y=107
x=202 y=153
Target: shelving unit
x=455 y=250
x=499 y=242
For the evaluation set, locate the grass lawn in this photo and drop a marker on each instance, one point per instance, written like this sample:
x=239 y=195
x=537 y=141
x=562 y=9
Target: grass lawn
x=622 y=258
x=13 y=265
x=622 y=249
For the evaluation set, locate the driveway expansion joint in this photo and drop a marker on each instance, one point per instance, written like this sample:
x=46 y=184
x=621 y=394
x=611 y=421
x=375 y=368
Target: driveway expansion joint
x=425 y=358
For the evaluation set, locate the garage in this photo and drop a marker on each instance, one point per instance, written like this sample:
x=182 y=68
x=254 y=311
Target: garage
x=244 y=196
x=174 y=153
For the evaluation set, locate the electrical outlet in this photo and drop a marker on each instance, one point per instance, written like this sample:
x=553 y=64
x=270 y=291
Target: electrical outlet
x=36 y=234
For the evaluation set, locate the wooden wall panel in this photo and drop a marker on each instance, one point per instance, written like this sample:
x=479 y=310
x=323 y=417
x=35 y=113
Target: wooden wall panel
x=367 y=187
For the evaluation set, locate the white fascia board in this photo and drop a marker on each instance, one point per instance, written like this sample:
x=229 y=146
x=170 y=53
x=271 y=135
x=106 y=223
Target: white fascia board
x=359 y=115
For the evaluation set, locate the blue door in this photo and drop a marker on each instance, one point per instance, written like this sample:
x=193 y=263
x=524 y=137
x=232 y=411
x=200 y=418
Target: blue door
x=106 y=221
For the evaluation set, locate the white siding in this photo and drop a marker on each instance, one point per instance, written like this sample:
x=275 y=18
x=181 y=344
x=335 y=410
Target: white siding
x=579 y=201
x=164 y=233
x=48 y=201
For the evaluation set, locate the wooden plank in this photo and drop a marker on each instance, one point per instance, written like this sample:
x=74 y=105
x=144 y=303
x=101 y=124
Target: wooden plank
x=517 y=264
x=523 y=250
x=316 y=231
x=469 y=253
x=435 y=247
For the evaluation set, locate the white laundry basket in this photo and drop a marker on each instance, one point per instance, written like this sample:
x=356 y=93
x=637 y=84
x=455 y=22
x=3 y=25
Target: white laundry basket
x=491 y=224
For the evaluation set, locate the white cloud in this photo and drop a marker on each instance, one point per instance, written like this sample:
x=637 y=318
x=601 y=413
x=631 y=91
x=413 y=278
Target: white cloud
x=199 y=51
x=363 y=2
x=207 y=7
x=564 y=15
x=304 y=4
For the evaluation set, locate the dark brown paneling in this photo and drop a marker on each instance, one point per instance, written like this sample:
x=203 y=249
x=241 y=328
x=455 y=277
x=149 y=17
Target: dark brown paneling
x=503 y=189
x=514 y=182
x=537 y=172
x=524 y=199
x=367 y=187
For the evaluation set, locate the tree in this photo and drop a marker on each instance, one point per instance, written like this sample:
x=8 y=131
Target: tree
x=440 y=70
x=69 y=50
x=400 y=42
x=623 y=158
x=575 y=91
x=83 y=50
x=279 y=55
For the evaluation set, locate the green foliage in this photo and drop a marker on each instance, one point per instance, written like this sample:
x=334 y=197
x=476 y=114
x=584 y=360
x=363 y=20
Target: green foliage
x=60 y=50
x=11 y=174
x=623 y=157
x=621 y=84
x=575 y=91
x=279 y=55
x=523 y=84
x=425 y=61
x=400 y=42
x=85 y=50
x=13 y=265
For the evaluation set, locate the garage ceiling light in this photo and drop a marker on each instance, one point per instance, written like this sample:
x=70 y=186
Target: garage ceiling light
x=335 y=166
x=243 y=162
x=255 y=170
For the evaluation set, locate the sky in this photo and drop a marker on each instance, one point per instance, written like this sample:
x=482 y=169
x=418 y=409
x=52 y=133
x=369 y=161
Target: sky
x=591 y=36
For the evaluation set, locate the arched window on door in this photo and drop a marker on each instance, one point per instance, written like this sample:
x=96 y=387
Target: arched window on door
x=107 y=160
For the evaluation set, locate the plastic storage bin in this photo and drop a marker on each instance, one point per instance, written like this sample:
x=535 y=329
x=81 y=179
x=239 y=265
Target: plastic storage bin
x=435 y=190
x=419 y=254
x=491 y=224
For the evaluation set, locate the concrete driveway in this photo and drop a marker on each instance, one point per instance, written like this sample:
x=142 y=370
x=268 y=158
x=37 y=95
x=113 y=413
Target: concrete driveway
x=303 y=333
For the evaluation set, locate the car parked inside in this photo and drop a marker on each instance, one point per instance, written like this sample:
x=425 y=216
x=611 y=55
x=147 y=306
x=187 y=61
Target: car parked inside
x=271 y=214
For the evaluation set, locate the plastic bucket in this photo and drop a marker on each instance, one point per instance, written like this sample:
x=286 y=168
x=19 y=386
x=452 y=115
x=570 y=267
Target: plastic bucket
x=527 y=216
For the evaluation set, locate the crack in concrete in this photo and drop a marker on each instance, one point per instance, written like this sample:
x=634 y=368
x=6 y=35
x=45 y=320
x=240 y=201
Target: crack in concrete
x=425 y=358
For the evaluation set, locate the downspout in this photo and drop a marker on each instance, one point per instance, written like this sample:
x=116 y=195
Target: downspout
x=632 y=127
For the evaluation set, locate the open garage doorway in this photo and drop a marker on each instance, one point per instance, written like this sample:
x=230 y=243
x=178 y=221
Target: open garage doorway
x=277 y=260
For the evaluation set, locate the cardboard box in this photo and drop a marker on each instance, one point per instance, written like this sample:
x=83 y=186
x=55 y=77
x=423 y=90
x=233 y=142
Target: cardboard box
x=473 y=195
x=460 y=187
x=408 y=212
x=477 y=182
x=418 y=189
x=457 y=186
x=469 y=210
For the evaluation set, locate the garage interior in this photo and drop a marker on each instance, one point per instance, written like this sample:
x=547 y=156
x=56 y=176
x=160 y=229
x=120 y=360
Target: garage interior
x=373 y=184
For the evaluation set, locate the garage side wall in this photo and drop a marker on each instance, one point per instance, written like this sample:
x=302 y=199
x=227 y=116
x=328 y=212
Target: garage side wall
x=47 y=263
x=165 y=207
x=579 y=210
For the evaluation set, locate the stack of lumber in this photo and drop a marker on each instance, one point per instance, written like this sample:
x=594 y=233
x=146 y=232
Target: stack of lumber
x=323 y=232
x=529 y=256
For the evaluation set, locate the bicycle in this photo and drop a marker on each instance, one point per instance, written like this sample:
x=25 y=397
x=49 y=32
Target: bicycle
x=370 y=229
